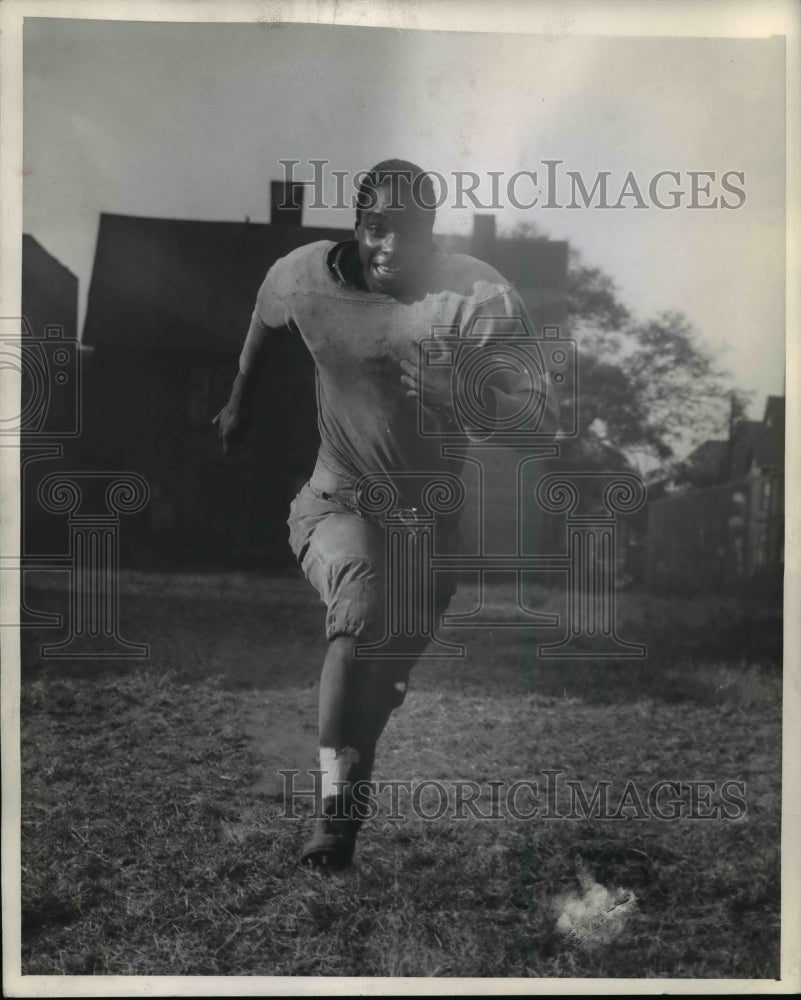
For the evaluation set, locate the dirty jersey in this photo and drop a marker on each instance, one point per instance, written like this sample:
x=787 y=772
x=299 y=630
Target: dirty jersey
x=357 y=338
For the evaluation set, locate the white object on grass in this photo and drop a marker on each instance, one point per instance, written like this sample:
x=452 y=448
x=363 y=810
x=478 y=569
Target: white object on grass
x=596 y=915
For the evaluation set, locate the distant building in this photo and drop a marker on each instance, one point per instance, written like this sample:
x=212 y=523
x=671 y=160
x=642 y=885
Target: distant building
x=50 y=369
x=50 y=413
x=707 y=465
x=169 y=304
x=537 y=267
x=49 y=291
x=727 y=533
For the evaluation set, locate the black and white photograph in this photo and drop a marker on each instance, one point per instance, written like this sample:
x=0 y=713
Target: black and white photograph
x=397 y=447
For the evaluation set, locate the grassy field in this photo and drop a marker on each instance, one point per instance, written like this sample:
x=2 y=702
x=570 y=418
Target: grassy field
x=152 y=838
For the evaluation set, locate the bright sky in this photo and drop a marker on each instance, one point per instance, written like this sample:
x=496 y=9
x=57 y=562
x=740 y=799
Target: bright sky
x=190 y=121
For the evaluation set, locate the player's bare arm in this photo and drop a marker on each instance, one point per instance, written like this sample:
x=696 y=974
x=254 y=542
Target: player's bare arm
x=235 y=419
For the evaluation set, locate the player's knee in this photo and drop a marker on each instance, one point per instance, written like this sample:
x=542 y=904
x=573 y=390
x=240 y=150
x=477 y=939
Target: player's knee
x=341 y=648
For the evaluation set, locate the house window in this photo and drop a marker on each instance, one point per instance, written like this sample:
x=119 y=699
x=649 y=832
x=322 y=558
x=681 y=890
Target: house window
x=197 y=409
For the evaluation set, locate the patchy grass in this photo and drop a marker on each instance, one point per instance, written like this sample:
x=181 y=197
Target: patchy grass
x=153 y=843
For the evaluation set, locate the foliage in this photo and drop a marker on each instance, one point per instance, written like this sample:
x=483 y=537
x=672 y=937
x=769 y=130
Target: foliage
x=592 y=302
x=648 y=389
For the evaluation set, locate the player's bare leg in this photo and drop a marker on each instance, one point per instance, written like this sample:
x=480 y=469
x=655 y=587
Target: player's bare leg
x=356 y=700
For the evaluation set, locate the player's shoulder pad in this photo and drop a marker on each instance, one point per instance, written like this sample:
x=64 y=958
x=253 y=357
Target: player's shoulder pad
x=473 y=278
x=297 y=269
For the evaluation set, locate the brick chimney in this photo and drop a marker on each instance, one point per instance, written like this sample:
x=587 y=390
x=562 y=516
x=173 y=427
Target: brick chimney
x=286 y=203
x=482 y=244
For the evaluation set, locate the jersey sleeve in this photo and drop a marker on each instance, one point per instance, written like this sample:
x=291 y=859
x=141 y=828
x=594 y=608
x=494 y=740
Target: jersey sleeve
x=271 y=313
x=497 y=317
x=273 y=299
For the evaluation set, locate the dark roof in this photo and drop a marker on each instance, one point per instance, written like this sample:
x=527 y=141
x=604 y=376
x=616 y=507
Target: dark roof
x=536 y=267
x=707 y=463
x=742 y=447
x=759 y=443
x=34 y=253
x=49 y=291
x=178 y=285
x=769 y=443
x=526 y=263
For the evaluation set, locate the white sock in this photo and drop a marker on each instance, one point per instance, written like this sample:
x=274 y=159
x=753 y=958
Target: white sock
x=335 y=766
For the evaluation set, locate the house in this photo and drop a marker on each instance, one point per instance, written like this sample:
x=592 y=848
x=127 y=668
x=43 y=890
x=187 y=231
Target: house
x=537 y=267
x=51 y=388
x=50 y=383
x=169 y=304
x=726 y=533
x=49 y=290
x=758 y=456
x=707 y=465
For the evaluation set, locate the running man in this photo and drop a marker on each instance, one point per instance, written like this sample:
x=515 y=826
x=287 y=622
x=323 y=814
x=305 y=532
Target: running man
x=362 y=307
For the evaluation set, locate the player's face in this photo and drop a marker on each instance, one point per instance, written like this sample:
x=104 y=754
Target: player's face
x=394 y=238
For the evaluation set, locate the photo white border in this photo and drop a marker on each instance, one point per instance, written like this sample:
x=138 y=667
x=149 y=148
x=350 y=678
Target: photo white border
x=707 y=18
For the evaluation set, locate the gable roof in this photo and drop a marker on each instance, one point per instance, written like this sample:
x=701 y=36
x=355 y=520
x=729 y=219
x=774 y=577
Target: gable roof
x=759 y=443
x=708 y=463
x=49 y=290
x=743 y=441
x=769 y=444
x=179 y=285
x=34 y=254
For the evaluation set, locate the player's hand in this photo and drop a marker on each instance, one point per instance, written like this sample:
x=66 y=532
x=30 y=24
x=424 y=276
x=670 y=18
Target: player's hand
x=411 y=378
x=233 y=424
x=438 y=384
